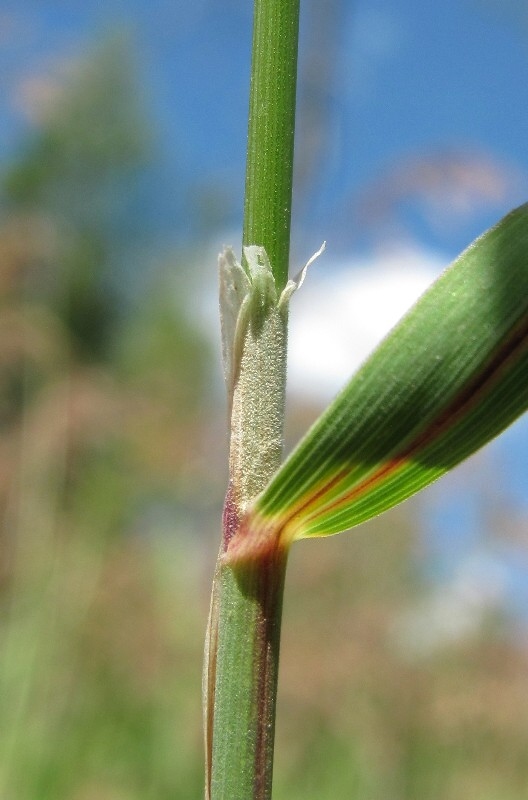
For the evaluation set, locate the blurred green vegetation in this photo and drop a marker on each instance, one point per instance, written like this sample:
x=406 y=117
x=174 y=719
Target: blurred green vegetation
x=111 y=476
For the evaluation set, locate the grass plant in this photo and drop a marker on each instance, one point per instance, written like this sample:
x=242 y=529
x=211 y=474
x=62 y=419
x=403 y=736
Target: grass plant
x=451 y=376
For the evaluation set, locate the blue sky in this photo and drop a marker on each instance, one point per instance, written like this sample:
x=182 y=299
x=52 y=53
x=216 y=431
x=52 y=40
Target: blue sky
x=407 y=81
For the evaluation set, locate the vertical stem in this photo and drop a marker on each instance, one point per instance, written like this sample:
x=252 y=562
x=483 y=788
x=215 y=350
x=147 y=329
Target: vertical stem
x=249 y=617
x=242 y=650
x=269 y=169
x=242 y=645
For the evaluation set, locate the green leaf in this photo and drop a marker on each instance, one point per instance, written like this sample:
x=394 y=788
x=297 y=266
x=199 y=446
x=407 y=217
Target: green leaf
x=448 y=378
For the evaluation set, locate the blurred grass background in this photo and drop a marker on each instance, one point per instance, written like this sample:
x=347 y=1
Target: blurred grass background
x=112 y=471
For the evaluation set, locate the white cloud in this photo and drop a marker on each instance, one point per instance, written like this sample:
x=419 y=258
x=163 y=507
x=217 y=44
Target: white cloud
x=343 y=311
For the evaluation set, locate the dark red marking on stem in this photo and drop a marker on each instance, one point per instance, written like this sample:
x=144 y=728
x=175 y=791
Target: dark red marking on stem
x=255 y=540
x=267 y=647
x=230 y=517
